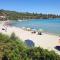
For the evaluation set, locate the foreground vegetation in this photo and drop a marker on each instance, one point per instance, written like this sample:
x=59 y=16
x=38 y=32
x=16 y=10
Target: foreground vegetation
x=13 y=15
x=12 y=48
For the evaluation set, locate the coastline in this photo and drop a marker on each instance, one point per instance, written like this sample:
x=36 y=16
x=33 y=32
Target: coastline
x=46 y=41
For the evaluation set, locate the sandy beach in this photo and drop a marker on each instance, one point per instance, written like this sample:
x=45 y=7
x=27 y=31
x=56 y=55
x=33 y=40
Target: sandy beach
x=46 y=41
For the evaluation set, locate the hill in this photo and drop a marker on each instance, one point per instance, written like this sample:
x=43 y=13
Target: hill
x=13 y=15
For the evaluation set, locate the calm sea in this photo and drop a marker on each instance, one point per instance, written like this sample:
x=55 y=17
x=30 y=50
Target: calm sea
x=48 y=25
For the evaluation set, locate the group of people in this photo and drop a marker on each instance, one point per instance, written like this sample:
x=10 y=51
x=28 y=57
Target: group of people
x=5 y=25
x=33 y=30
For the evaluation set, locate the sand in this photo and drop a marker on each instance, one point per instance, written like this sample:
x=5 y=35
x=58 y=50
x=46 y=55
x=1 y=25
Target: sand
x=46 y=41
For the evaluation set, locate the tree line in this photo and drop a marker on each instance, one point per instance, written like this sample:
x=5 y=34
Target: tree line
x=13 y=15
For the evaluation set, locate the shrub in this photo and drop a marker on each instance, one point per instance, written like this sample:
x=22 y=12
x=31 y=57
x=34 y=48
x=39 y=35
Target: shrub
x=13 y=48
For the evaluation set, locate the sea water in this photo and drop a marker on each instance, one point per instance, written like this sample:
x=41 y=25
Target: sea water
x=48 y=25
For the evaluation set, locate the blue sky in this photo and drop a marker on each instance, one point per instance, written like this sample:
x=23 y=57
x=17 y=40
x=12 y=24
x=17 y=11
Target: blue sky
x=39 y=6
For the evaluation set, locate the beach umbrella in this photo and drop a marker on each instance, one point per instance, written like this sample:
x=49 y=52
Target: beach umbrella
x=29 y=29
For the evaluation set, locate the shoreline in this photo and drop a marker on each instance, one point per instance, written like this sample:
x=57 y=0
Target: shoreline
x=46 y=41
x=45 y=31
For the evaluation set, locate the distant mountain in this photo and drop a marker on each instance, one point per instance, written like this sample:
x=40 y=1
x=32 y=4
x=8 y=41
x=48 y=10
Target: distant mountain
x=13 y=15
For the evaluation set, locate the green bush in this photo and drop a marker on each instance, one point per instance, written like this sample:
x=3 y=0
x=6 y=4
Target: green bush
x=13 y=48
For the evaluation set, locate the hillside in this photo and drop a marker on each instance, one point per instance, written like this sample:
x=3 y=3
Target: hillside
x=13 y=15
